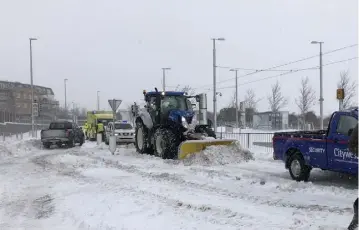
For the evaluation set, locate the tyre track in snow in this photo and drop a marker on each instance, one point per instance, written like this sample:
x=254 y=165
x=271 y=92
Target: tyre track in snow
x=229 y=217
x=211 y=189
x=224 y=192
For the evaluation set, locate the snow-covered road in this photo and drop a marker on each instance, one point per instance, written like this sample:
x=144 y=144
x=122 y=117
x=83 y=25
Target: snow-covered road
x=87 y=188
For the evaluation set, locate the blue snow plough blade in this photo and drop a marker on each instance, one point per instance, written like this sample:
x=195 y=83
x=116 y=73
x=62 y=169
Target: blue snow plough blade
x=195 y=146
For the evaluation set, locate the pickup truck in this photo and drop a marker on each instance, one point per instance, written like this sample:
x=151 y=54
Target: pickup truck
x=62 y=132
x=325 y=149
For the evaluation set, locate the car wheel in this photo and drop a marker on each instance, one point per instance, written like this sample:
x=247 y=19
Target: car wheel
x=82 y=140
x=298 y=170
x=46 y=145
x=71 y=143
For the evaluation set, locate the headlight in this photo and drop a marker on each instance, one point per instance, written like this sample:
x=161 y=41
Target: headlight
x=184 y=123
x=116 y=134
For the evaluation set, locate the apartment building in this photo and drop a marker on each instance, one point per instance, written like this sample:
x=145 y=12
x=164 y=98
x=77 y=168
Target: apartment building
x=15 y=101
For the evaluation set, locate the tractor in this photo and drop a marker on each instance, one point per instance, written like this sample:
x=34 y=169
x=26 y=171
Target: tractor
x=169 y=128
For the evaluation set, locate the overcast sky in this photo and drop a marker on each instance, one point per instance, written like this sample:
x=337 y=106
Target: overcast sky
x=119 y=47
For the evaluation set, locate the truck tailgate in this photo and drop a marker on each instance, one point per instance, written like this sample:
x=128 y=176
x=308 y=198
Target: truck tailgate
x=53 y=134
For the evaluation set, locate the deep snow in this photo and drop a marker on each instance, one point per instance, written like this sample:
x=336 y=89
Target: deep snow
x=88 y=188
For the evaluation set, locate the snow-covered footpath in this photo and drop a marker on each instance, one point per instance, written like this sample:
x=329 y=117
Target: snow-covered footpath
x=88 y=188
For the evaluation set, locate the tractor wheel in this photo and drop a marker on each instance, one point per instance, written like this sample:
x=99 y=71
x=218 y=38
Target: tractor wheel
x=166 y=144
x=141 y=140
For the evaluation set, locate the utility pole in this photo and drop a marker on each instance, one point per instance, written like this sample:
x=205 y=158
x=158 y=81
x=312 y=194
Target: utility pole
x=164 y=78
x=237 y=119
x=32 y=90
x=98 y=100
x=214 y=83
x=73 y=113
x=321 y=99
x=65 y=81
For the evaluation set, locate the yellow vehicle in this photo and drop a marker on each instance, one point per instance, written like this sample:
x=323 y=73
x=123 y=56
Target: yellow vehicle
x=93 y=119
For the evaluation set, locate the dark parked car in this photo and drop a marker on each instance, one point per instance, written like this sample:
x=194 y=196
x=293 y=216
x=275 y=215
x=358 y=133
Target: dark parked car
x=62 y=132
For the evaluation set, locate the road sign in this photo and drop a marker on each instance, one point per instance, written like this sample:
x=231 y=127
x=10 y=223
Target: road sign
x=114 y=103
x=35 y=109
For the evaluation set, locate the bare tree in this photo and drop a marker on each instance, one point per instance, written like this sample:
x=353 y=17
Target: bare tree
x=187 y=89
x=232 y=102
x=250 y=99
x=306 y=98
x=276 y=100
x=349 y=87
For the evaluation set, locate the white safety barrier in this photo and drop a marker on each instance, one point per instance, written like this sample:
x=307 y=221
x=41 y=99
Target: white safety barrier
x=99 y=138
x=113 y=144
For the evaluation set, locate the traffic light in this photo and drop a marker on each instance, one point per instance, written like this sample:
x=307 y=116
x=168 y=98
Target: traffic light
x=40 y=107
x=340 y=94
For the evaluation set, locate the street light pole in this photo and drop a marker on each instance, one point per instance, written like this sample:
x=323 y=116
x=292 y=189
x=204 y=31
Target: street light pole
x=214 y=83
x=98 y=101
x=32 y=90
x=65 y=81
x=164 y=78
x=321 y=99
x=237 y=119
x=73 y=112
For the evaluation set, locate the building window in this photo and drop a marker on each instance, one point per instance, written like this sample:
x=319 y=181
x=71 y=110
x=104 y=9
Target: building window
x=25 y=106
x=18 y=95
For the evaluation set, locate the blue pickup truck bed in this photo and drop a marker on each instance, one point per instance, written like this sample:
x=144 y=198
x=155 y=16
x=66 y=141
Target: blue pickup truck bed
x=325 y=149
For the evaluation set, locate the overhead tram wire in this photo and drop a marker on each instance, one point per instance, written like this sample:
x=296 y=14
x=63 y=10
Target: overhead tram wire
x=290 y=72
x=289 y=63
x=274 y=67
x=275 y=70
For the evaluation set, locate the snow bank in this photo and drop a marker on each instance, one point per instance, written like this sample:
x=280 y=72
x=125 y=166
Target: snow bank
x=12 y=147
x=220 y=155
